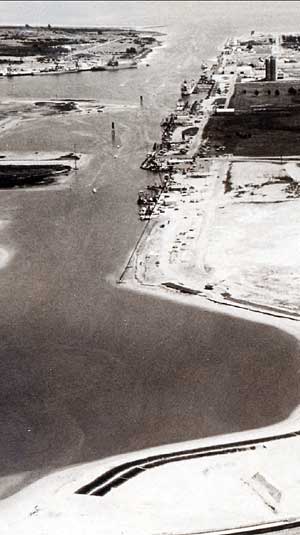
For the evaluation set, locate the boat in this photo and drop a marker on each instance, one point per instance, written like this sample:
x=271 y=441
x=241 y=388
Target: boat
x=98 y=68
x=187 y=88
x=180 y=105
x=114 y=65
x=131 y=65
x=73 y=69
x=9 y=71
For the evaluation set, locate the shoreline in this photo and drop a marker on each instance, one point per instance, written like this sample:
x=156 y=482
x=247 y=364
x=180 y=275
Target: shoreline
x=26 y=110
x=129 y=278
x=40 y=170
x=45 y=496
x=54 y=497
x=167 y=258
x=94 y=56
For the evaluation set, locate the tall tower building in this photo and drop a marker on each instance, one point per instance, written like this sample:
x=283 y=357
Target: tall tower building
x=267 y=69
x=273 y=69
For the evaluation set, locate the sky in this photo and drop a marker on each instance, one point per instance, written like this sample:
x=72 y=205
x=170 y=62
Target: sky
x=137 y=12
x=75 y=12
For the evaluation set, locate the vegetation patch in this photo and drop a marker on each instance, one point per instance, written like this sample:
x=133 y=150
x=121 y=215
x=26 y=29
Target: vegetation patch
x=17 y=175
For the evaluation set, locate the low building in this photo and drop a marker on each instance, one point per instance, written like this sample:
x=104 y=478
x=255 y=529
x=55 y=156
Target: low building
x=277 y=94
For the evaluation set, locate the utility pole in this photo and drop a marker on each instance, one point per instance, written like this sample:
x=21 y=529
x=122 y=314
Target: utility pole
x=75 y=158
x=113 y=133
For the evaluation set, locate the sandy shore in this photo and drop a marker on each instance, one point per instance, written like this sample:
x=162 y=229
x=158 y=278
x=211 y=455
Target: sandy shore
x=203 y=236
x=250 y=484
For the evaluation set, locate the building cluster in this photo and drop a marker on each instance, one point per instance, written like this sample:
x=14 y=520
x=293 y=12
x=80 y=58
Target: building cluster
x=260 y=70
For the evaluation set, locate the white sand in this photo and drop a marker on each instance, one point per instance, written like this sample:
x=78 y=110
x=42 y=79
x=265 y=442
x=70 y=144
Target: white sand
x=244 y=242
x=245 y=488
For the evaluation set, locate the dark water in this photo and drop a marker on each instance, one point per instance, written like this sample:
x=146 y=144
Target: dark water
x=89 y=369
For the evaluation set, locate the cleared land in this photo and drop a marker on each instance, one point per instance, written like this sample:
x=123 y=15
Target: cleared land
x=253 y=245
x=230 y=233
x=265 y=133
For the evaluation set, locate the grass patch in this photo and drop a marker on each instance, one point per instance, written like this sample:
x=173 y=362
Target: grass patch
x=18 y=175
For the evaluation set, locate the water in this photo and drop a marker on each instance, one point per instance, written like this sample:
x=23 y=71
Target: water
x=89 y=369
